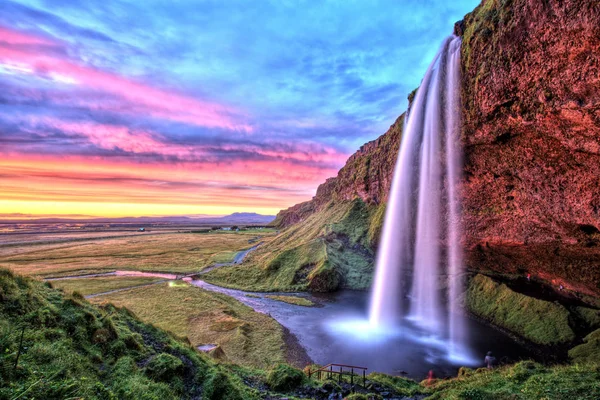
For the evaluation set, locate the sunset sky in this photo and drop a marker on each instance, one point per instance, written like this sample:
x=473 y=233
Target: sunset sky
x=130 y=108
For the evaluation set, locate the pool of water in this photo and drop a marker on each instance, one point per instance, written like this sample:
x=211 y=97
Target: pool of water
x=336 y=332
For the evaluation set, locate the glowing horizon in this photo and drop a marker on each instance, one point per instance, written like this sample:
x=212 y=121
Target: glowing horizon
x=197 y=108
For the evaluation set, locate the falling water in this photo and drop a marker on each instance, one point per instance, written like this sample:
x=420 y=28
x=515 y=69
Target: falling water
x=423 y=211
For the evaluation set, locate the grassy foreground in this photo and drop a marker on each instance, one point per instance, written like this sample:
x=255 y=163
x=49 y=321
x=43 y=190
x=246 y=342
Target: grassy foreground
x=54 y=346
x=73 y=349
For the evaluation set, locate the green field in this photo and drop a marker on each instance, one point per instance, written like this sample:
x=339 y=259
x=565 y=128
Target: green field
x=89 y=286
x=168 y=252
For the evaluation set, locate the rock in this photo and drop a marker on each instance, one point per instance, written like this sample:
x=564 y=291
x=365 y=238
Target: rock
x=531 y=133
x=459 y=28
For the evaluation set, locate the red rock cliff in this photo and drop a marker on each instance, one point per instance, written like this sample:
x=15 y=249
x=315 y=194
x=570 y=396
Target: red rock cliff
x=531 y=129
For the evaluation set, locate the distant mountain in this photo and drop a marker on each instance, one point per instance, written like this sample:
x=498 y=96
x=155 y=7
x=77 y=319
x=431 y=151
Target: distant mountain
x=239 y=218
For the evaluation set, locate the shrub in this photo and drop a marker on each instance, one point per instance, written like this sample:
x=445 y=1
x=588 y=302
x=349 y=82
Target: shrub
x=164 y=367
x=283 y=378
x=220 y=387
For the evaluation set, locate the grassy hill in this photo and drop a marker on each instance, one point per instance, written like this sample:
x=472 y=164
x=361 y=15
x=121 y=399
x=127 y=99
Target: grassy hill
x=330 y=249
x=57 y=346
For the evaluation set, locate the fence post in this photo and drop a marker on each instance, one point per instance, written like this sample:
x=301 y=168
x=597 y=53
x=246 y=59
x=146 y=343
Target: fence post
x=352 y=377
x=364 y=379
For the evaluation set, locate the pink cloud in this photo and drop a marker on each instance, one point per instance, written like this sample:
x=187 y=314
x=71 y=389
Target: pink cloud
x=157 y=102
x=136 y=141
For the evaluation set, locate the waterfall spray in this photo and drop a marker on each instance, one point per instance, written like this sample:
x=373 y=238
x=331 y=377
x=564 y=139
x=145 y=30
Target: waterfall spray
x=423 y=213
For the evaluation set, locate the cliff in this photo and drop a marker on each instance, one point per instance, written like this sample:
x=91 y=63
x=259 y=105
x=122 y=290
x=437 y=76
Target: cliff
x=531 y=132
x=367 y=176
x=531 y=137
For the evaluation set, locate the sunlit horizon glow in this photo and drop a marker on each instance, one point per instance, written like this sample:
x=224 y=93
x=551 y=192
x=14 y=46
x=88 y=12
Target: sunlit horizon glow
x=118 y=109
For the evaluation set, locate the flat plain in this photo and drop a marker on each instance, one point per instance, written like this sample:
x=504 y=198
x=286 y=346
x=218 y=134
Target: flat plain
x=88 y=252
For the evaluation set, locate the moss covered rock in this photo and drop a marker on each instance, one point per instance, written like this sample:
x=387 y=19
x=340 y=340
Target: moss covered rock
x=589 y=351
x=538 y=321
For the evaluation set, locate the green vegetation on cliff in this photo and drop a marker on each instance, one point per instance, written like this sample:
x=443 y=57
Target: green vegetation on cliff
x=329 y=249
x=588 y=351
x=538 y=321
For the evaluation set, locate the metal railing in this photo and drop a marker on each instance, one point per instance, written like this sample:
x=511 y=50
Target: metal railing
x=341 y=371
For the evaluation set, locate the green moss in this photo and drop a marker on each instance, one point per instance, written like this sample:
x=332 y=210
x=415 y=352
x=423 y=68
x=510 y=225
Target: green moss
x=284 y=378
x=360 y=396
x=400 y=385
x=376 y=224
x=588 y=351
x=221 y=386
x=299 y=301
x=164 y=367
x=589 y=316
x=539 y=321
x=353 y=224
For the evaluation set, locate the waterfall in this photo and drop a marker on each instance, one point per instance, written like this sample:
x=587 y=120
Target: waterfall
x=421 y=231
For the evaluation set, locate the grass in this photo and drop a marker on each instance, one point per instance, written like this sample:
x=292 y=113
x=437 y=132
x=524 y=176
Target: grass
x=588 y=351
x=328 y=250
x=89 y=286
x=299 y=301
x=524 y=380
x=247 y=337
x=72 y=349
x=538 y=321
x=171 y=252
x=223 y=257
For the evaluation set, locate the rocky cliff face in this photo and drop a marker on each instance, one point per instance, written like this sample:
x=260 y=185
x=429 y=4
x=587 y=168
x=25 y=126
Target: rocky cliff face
x=531 y=133
x=367 y=175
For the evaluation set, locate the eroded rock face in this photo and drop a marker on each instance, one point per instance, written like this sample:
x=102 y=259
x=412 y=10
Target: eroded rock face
x=367 y=175
x=531 y=133
x=531 y=130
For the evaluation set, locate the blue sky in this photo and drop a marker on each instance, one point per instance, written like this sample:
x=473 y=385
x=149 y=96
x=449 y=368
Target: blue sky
x=253 y=86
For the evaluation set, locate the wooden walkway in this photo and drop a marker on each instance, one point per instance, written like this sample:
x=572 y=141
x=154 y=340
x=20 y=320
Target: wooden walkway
x=342 y=371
